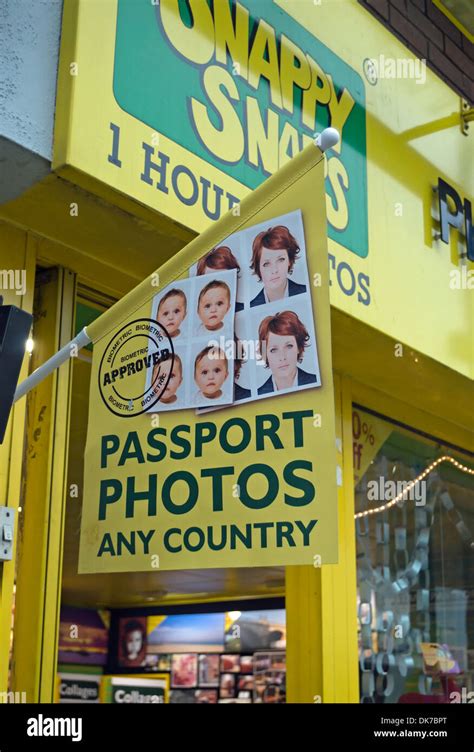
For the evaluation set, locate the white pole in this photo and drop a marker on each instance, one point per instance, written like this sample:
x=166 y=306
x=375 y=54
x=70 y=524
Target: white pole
x=54 y=362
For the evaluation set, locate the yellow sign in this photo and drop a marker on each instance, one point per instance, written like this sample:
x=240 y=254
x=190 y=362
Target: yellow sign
x=187 y=107
x=369 y=434
x=211 y=423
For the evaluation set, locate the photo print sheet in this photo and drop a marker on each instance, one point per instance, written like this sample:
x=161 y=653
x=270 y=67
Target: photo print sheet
x=198 y=315
x=275 y=344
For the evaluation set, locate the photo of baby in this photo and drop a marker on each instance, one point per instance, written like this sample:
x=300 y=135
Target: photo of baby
x=274 y=253
x=168 y=371
x=211 y=369
x=218 y=259
x=282 y=341
x=194 y=372
x=213 y=304
x=172 y=309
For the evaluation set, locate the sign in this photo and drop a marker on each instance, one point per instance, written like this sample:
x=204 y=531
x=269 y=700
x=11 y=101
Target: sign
x=122 y=690
x=369 y=434
x=247 y=93
x=83 y=688
x=187 y=107
x=198 y=475
x=459 y=217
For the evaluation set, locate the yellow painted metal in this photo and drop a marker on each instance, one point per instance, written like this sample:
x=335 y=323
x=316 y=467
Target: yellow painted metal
x=383 y=365
x=408 y=414
x=108 y=246
x=322 y=663
x=40 y=554
x=17 y=252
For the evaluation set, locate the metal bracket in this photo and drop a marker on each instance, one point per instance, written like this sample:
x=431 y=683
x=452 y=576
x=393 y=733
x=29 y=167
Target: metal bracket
x=7 y=532
x=467 y=114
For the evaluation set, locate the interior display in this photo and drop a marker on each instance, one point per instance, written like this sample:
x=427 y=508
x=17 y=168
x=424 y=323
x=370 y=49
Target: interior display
x=182 y=697
x=136 y=690
x=185 y=633
x=77 y=688
x=246 y=664
x=236 y=700
x=245 y=683
x=207 y=656
x=133 y=642
x=227 y=685
x=230 y=663
x=208 y=670
x=206 y=696
x=270 y=677
x=247 y=631
x=184 y=670
x=83 y=636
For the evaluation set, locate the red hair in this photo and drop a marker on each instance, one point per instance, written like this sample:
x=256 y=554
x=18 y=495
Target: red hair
x=276 y=239
x=286 y=323
x=218 y=259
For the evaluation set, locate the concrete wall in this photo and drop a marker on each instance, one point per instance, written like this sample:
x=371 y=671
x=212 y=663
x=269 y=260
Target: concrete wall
x=29 y=52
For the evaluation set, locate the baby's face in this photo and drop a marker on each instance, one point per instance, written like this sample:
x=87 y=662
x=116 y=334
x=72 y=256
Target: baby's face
x=175 y=378
x=211 y=374
x=213 y=306
x=171 y=313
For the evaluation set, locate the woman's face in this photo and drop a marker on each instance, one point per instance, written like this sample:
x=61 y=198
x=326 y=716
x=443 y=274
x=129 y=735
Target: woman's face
x=134 y=643
x=282 y=354
x=211 y=374
x=274 y=268
x=171 y=313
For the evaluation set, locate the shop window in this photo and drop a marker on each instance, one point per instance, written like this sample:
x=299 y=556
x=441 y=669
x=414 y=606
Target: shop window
x=415 y=565
x=207 y=656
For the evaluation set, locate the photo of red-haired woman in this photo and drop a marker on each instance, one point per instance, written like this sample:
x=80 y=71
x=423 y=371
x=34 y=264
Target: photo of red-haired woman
x=283 y=339
x=274 y=254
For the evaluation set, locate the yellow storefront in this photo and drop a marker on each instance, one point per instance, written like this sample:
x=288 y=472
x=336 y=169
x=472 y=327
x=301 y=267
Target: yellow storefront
x=143 y=163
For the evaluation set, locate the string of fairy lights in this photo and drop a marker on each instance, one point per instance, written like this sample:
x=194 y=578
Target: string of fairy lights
x=410 y=484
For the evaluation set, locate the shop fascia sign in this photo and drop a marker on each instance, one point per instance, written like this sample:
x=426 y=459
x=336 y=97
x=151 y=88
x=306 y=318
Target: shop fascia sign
x=455 y=211
x=243 y=92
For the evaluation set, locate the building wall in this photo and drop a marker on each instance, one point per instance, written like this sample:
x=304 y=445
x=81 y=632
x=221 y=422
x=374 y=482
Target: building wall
x=29 y=52
x=428 y=33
